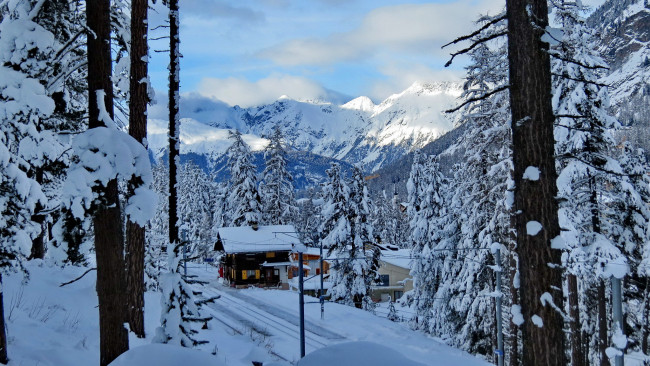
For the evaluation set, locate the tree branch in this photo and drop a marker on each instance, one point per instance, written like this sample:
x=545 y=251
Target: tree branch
x=482 y=97
x=78 y=278
x=579 y=80
x=476 y=32
x=476 y=43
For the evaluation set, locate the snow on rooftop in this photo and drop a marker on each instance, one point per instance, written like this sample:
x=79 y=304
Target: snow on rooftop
x=400 y=257
x=244 y=239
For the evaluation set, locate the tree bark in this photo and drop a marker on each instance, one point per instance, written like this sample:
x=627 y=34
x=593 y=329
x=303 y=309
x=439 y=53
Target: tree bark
x=577 y=356
x=535 y=204
x=107 y=220
x=4 y=356
x=135 y=234
x=174 y=139
x=602 y=323
x=513 y=356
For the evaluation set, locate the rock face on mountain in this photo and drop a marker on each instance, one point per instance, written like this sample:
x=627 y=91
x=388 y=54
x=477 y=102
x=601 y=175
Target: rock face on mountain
x=358 y=132
x=624 y=28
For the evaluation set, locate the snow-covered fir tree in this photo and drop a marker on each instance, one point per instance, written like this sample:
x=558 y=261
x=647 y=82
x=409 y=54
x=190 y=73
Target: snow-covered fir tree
x=179 y=307
x=424 y=237
x=276 y=188
x=480 y=195
x=348 y=282
x=600 y=204
x=158 y=230
x=195 y=208
x=362 y=234
x=24 y=104
x=244 y=203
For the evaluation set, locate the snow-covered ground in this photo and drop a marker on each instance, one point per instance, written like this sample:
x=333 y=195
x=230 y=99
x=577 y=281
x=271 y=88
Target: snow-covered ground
x=52 y=325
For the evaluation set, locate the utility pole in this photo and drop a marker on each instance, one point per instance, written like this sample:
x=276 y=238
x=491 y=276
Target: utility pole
x=301 y=301
x=499 y=351
x=617 y=309
x=322 y=293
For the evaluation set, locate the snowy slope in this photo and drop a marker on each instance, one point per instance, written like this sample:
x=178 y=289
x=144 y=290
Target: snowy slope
x=624 y=26
x=48 y=325
x=358 y=132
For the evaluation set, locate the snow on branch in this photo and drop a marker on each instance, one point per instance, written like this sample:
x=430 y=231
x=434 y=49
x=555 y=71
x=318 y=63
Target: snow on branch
x=105 y=154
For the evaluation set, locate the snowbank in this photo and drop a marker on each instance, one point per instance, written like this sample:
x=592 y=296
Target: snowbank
x=356 y=353
x=165 y=355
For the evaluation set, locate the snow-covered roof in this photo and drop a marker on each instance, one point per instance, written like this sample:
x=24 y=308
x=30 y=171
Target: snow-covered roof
x=269 y=238
x=400 y=257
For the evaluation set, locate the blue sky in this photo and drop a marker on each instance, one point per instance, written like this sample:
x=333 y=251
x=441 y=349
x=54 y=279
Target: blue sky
x=249 y=52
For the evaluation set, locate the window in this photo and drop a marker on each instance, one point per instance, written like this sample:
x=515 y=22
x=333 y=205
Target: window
x=398 y=294
x=270 y=254
x=383 y=280
x=276 y=272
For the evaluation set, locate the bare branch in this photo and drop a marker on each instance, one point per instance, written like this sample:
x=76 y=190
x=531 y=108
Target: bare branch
x=78 y=278
x=482 y=97
x=476 y=32
x=476 y=43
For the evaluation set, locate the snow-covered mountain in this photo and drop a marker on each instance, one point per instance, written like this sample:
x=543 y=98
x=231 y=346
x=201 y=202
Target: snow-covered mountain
x=358 y=132
x=624 y=28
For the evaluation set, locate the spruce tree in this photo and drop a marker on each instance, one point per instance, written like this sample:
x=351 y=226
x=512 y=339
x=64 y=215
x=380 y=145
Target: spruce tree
x=179 y=309
x=276 y=188
x=362 y=229
x=348 y=283
x=23 y=102
x=244 y=203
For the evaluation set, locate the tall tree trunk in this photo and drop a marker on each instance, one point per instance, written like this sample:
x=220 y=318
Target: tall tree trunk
x=4 y=356
x=174 y=124
x=107 y=220
x=646 y=314
x=602 y=299
x=135 y=234
x=577 y=356
x=513 y=356
x=602 y=323
x=535 y=199
x=38 y=243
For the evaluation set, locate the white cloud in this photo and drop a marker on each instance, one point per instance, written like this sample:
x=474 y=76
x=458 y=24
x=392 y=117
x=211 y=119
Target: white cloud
x=412 y=28
x=245 y=93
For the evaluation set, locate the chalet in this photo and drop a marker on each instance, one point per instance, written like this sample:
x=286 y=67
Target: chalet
x=394 y=274
x=257 y=256
x=311 y=272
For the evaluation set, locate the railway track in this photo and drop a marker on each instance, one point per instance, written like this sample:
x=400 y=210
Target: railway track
x=234 y=313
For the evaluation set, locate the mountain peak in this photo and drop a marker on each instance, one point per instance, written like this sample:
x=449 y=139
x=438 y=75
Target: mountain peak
x=362 y=103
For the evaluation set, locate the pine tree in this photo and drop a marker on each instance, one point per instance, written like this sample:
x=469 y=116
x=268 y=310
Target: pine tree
x=480 y=188
x=107 y=219
x=196 y=202
x=276 y=188
x=179 y=306
x=348 y=284
x=595 y=187
x=244 y=203
x=425 y=235
x=362 y=235
x=536 y=222
x=139 y=98
x=158 y=229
